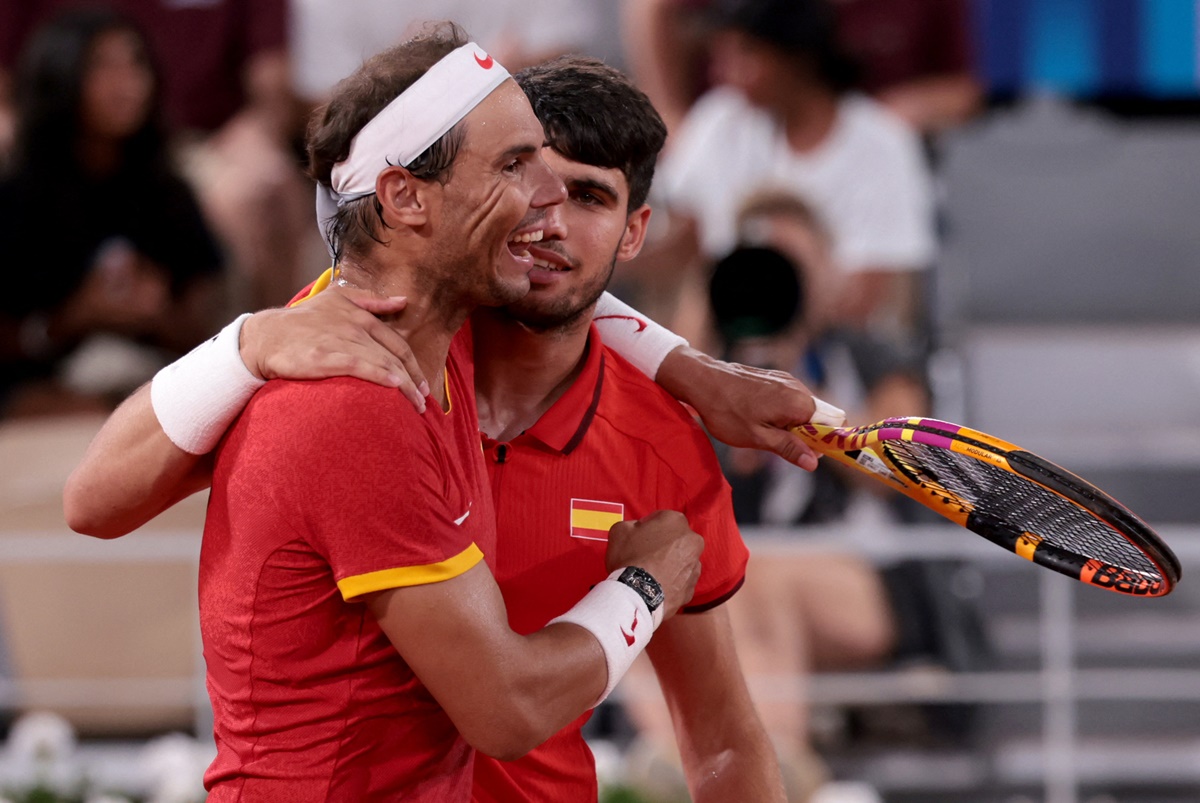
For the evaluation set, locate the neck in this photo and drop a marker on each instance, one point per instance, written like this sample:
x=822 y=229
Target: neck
x=519 y=372
x=808 y=117
x=426 y=325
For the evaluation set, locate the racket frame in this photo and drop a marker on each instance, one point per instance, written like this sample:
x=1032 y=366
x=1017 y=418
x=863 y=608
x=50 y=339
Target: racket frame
x=863 y=449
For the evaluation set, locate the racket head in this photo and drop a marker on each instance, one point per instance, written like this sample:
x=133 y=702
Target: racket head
x=1010 y=496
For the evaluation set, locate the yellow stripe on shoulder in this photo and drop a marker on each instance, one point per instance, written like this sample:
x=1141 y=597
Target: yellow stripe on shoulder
x=403 y=576
x=323 y=281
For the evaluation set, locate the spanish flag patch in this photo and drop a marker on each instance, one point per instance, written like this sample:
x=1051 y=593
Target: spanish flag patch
x=592 y=519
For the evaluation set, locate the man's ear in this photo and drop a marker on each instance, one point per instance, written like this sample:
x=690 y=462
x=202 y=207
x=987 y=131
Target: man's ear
x=635 y=233
x=404 y=198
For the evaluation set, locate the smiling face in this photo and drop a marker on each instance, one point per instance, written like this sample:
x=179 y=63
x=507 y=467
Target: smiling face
x=583 y=240
x=493 y=205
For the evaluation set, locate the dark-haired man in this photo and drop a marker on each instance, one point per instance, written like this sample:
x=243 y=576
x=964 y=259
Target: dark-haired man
x=577 y=439
x=357 y=644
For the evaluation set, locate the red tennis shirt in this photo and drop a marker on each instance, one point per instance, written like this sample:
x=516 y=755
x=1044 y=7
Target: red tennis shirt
x=323 y=492
x=615 y=446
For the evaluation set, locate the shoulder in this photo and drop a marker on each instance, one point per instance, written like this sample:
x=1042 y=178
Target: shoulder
x=342 y=413
x=640 y=410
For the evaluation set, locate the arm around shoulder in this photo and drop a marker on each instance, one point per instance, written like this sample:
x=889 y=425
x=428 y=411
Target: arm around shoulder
x=506 y=693
x=130 y=473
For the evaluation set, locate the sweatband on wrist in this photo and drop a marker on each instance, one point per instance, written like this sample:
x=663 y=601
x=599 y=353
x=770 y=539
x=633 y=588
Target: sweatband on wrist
x=634 y=336
x=197 y=397
x=619 y=619
x=405 y=128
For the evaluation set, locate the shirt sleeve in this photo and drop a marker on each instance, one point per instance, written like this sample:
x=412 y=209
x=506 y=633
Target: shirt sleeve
x=364 y=478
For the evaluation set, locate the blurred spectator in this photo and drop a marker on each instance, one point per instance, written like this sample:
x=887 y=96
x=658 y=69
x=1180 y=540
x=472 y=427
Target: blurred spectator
x=103 y=237
x=770 y=307
x=228 y=101
x=330 y=38
x=916 y=56
x=816 y=611
x=783 y=118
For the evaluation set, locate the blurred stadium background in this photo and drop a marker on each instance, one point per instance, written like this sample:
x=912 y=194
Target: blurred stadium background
x=1066 y=303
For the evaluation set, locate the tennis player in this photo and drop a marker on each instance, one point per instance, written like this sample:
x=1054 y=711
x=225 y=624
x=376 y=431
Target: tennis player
x=356 y=642
x=579 y=440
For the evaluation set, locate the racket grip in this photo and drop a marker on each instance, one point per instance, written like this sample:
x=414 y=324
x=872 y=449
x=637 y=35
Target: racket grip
x=827 y=415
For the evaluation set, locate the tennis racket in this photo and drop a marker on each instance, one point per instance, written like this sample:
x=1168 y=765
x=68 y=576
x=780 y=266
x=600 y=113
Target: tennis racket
x=1011 y=497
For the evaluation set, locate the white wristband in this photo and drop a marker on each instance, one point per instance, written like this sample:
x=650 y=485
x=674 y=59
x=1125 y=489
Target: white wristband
x=197 y=397
x=619 y=619
x=634 y=336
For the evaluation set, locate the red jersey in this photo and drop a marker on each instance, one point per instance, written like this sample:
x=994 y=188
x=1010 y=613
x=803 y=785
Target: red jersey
x=324 y=492
x=615 y=446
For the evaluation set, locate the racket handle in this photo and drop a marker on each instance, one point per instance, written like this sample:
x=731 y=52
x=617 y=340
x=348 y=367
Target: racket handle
x=827 y=415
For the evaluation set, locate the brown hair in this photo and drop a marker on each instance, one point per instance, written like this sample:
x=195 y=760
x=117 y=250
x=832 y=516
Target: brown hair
x=356 y=100
x=594 y=114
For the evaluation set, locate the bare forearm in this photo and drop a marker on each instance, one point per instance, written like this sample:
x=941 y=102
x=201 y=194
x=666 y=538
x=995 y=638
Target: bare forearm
x=936 y=104
x=130 y=473
x=725 y=749
x=553 y=676
x=506 y=693
x=659 y=55
x=744 y=769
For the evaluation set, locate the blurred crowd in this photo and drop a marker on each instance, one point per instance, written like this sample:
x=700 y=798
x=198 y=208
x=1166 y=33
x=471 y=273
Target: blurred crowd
x=152 y=186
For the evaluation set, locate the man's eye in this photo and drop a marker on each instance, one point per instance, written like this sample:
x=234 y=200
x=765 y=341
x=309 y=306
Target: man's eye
x=587 y=198
x=513 y=166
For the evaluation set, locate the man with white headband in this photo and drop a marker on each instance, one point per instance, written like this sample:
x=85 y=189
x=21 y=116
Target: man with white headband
x=728 y=732
x=357 y=644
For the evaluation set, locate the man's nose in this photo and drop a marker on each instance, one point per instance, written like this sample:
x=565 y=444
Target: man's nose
x=548 y=187
x=554 y=226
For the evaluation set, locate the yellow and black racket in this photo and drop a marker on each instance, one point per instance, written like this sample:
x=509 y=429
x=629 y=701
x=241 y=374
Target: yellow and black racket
x=1011 y=497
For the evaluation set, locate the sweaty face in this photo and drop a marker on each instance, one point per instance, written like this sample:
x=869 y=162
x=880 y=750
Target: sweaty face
x=574 y=260
x=493 y=205
x=117 y=86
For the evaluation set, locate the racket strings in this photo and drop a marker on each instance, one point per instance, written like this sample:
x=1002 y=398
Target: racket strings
x=1026 y=506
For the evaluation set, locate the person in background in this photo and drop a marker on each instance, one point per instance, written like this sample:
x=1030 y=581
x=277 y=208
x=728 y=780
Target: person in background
x=330 y=38
x=784 y=118
x=820 y=610
x=915 y=56
x=228 y=101
x=102 y=235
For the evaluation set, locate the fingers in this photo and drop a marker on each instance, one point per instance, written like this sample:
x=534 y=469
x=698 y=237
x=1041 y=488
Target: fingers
x=405 y=361
x=355 y=342
x=790 y=447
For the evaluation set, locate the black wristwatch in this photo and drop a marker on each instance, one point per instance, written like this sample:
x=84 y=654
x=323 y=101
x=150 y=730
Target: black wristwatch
x=644 y=583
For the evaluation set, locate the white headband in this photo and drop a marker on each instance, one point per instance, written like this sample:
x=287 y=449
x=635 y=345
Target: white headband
x=414 y=120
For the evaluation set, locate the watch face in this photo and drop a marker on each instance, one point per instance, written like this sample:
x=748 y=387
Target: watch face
x=642 y=582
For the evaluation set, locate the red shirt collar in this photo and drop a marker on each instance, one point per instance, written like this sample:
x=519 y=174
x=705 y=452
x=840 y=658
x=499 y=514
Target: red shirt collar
x=563 y=426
